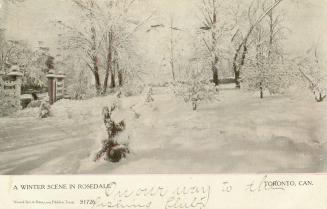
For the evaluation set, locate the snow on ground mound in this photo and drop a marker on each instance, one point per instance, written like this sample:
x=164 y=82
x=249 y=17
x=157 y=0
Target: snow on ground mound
x=238 y=133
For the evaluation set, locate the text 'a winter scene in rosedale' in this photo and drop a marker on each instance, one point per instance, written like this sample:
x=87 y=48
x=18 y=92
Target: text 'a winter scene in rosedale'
x=163 y=86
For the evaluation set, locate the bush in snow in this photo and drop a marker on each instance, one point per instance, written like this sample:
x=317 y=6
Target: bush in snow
x=266 y=69
x=112 y=150
x=7 y=106
x=265 y=66
x=148 y=97
x=35 y=103
x=81 y=88
x=196 y=90
x=132 y=88
x=136 y=114
x=44 y=110
x=117 y=99
x=274 y=79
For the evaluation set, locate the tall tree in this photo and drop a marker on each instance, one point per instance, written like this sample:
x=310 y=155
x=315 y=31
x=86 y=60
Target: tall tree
x=85 y=39
x=105 y=32
x=172 y=48
x=242 y=49
x=209 y=11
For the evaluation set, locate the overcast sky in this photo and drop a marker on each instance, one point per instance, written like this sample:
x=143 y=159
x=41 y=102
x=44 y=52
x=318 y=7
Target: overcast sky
x=30 y=20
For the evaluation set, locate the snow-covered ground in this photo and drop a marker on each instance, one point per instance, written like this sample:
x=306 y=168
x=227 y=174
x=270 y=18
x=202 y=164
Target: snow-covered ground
x=238 y=133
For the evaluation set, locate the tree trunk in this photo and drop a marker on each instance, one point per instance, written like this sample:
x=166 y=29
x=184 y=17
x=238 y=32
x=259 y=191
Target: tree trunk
x=113 y=75
x=109 y=62
x=237 y=79
x=95 y=62
x=172 y=69
x=120 y=78
x=108 y=69
x=321 y=97
x=96 y=76
x=261 y=91
x=238 y=66
x=194 y=105
x=105 y=83
x=112 y=82
x=236 y=69
x=271 y=36
x=172 y=58
x=215 y=77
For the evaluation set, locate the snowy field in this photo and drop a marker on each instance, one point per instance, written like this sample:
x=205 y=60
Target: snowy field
x=240 y=133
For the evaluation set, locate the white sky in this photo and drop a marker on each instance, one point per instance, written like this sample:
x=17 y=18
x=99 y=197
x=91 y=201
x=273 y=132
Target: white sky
x=30 y=21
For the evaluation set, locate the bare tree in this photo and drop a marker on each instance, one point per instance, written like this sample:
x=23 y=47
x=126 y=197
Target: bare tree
x=264 y=67
x=209 y=11
x=106 y=34
x=85 y=39
x=172 y=47
x=311 y=70
x=242 y=49
x=118 y=31
x=14 y=52
x=109 y=54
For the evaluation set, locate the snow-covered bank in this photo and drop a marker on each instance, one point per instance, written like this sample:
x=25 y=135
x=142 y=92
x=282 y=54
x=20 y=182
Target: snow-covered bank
x=238 y=133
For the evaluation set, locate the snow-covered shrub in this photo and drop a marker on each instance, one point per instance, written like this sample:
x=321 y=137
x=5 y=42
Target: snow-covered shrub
x=136 y=114
x=274 y=79
x=34 y=79
x=45 y=110
x=117 y=99
x=80 y=92
x=35 y=103
x=148 y=96
x=8 y=105
x=266 y=67
x=132 y=88
x=196 y=89
x=111 y=149
x=160 y=84
x=81 y=88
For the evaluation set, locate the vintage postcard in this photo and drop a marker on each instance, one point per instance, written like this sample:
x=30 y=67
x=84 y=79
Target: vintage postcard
x=164 y=192
x=211 y=87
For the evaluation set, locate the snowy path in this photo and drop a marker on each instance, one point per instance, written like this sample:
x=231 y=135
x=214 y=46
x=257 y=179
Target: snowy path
x=28 y=143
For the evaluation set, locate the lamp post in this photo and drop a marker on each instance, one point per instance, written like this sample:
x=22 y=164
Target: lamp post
x=16 y=76
x=2 y=73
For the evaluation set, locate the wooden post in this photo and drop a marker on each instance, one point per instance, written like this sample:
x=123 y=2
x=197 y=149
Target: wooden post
x=2 y=73
x=51 y=86
x=60 y=85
